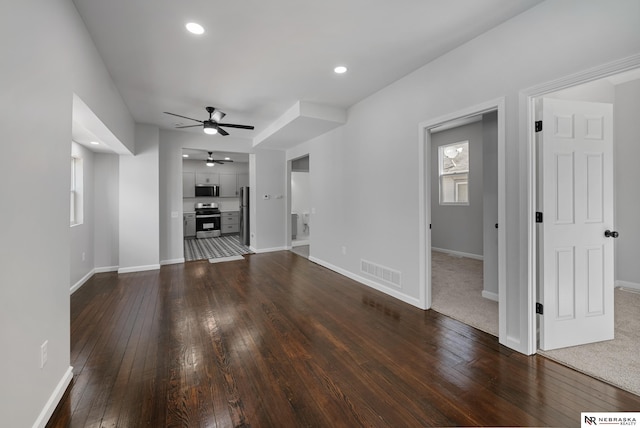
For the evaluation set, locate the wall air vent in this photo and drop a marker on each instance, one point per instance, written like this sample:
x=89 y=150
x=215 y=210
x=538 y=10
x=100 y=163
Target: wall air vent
x=386 y=274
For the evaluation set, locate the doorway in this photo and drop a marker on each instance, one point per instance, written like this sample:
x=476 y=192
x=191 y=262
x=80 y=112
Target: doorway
x=300 y=200
x=464 y=216
x=425 y=196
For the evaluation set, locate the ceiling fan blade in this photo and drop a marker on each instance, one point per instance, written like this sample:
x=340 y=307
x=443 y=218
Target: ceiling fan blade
x=222 y=131
x=188 y=126
x=184 y=117
x=233 y=125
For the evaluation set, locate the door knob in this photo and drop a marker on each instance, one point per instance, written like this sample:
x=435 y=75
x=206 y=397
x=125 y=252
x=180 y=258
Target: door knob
x=610 y=234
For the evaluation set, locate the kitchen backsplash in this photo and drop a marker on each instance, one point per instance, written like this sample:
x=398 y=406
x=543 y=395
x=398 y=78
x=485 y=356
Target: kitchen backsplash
x=225 y=204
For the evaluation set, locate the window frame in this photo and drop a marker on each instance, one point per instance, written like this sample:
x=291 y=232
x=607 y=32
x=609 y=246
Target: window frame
x=463 y=175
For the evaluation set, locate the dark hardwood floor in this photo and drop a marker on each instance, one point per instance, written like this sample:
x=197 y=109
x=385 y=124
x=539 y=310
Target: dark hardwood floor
x=278 y=341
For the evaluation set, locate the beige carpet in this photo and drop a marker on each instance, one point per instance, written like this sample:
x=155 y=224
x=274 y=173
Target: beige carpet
x=614 y=361
x=456 y=291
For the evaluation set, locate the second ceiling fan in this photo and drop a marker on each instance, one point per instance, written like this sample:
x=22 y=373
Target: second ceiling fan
x=211 y=161
x=212 y=125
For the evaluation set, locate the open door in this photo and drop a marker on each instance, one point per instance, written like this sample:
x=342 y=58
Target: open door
x=577 y=266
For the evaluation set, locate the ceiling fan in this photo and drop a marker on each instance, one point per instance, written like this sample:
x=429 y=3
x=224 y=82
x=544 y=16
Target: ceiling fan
x=212 y=125
x=211 y=161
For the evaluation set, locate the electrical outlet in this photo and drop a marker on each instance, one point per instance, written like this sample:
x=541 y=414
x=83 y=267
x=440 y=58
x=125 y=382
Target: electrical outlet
x=344 y=250
x=44 y=353
x=84 y=256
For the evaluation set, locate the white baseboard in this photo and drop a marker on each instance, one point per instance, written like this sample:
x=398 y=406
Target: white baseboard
x=629 y=285
x=298 y=243
x=139 y=268
x=75 y=287
x=268 y=250
x=369 y=283
x=490 y=295
x=458 y=253
x=104 y=269
x=80 y=283
x=171 y=262
x=54 y=399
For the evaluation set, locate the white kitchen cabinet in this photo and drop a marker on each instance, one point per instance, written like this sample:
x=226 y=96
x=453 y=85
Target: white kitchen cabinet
x=230 y=222
x=228 y=185
x=188 y=185
x=207 y=178
x=189 y=225
x=243 y=181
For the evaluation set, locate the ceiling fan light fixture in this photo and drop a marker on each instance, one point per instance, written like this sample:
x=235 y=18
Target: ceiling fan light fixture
x=217 y=116
x=210 y=127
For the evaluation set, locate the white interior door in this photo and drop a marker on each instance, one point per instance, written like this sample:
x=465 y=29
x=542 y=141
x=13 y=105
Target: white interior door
x=577 y=203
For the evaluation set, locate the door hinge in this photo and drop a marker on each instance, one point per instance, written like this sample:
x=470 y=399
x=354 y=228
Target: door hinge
x=539 y=308
x=538 y=217
x=538 y=125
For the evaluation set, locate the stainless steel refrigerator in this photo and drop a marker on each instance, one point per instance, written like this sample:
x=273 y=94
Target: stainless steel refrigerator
x=244 y=216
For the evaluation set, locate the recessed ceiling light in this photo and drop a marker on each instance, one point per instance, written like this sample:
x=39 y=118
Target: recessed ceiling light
x=227 y=158
x=341 y=69
x=95 y=143
x=195 y=28
x=185 y=155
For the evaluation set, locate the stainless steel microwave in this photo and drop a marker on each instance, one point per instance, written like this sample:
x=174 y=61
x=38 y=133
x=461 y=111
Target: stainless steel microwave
x=207 y=190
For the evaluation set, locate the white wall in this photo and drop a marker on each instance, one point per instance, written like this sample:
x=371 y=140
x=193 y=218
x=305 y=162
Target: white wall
x=268 y=177
x=627 y=176
x=82 y=237
x=459 y=228
x=41 y=70
x=373 y=210
x=106 y=213
x=139 y=202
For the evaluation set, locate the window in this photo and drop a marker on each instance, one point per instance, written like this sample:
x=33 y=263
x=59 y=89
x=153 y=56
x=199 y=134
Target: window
x=75 y=208
x=453 y=162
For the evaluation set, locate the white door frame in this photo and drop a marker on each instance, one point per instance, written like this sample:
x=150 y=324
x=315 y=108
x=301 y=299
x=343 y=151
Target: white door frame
x=527 y=133
x=424 y=198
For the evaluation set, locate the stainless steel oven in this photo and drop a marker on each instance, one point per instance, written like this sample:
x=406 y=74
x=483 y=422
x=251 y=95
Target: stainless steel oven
x=207 y=220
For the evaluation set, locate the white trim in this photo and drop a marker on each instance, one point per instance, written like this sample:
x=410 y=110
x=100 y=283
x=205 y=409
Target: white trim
x=424 y=206
x=300 y=242
x=104 y=269
x=139 y=268
x=458 y=253
x=375 y=285
x=490 y=295
x=628 y=285
x=268 y=250
x=527 y=134
x=81 y=282
x=54 y=399
x=171 y=261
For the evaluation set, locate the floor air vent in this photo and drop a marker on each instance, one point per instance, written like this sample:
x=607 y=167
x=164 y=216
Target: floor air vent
x=384 y=273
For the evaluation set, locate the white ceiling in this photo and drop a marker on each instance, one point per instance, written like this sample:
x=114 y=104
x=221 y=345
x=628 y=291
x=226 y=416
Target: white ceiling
x=259 y=58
